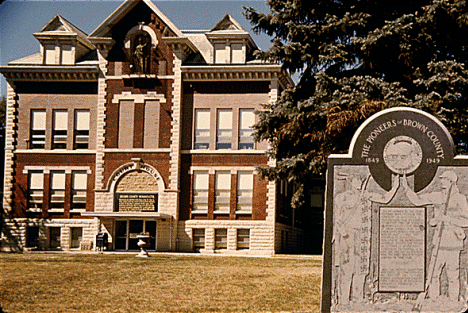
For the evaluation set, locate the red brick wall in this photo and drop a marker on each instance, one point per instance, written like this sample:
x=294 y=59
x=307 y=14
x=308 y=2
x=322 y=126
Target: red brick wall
x=20 y=190
x=50 y=102
x=116 y=87
x=259 y=204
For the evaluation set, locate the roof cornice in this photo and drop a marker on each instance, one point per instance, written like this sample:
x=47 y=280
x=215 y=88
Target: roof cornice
x=50 y=73
x=52 y=36
x=181 y=45
x=259 y=72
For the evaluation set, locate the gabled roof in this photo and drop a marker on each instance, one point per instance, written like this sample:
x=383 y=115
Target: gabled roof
x=123 y=9
x=228 y=27
x=228 y=23
x=58 y=27
x=60 y=24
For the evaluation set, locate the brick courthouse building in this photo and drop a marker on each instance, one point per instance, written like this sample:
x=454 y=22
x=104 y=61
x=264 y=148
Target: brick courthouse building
x=140 y=127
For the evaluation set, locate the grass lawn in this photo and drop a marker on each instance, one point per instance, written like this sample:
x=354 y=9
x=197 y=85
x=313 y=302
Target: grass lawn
x=163 y=282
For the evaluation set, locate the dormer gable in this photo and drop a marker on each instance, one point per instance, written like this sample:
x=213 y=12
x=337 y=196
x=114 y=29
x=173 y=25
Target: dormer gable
x=62 y=43
x=231 y=43
x=228 y=23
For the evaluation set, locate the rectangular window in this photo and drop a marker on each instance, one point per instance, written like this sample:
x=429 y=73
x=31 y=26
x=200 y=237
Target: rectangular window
x=38 y=128
x=57 y=191
x=221 y=238
x=200 y=192
x=59 y=131
x=221 y=53
x=81 y=140
x=198 y=238
x=54 y=237
x=79 y=184
x=246 y=121
x=32 y=236
x=238 y=54
x=243 y=239
x=222 y=191
x=202 y=129
x=49 y=54
x=76 y=234
x=224 y=129
x=244 y=192
x=36 y=191
x=67 y=54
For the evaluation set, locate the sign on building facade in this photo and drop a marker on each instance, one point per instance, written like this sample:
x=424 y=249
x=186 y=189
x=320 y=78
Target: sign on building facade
x=396 y=219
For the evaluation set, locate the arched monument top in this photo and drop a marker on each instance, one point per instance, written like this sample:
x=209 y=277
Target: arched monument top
x=404 y=141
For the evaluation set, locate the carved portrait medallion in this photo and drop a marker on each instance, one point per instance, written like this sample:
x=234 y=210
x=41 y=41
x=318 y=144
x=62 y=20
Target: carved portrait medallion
x=402 y=155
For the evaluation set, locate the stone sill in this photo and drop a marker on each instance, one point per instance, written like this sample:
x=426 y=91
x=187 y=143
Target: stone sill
x=56 y=210
x=78 y=211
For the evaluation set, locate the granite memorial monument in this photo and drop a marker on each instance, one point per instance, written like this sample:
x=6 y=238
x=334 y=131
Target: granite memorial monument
x=396 y=219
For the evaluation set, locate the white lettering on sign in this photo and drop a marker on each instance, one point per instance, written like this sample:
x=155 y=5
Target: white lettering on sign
x=376 y=132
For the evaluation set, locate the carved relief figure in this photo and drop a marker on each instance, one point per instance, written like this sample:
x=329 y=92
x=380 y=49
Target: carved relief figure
x=450 y=215
x=140 y=55
x=352 y=235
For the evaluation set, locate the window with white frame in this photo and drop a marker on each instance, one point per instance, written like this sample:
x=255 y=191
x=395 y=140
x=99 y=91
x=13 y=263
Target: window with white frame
x=37 y=129
x=221 y=238
x=81 y=136
x=49 y=54
x=36 y=190
x=202 y=129
x=79 y=184
x=237 y=53
x=243 y=239
x=246 y=121
x=198 y=238
x=221 y=53
x=59 y=131
x=224 y=129
x=67 y=54
x=244 y=192
x=200 y=192
x=222 y=191
x=57 y=190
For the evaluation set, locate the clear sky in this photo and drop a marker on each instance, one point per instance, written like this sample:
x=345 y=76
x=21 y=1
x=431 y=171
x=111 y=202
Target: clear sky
x=20 y=19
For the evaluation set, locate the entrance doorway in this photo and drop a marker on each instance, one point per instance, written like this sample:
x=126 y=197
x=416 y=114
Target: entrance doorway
x=126 y=232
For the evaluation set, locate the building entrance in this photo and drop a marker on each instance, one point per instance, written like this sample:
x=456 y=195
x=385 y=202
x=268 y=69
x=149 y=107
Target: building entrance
x=126 y=232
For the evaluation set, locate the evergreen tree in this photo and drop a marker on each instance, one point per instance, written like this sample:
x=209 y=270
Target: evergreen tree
x=355 y=58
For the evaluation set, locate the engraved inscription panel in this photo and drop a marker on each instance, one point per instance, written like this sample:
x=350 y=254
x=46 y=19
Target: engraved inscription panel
x=137 y=202
x=402 y=249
